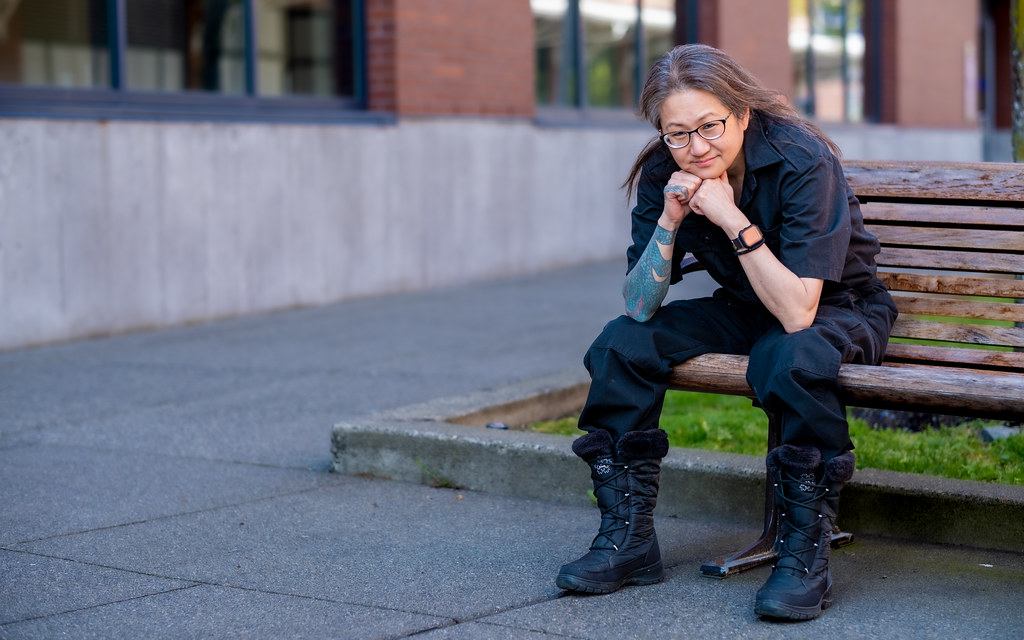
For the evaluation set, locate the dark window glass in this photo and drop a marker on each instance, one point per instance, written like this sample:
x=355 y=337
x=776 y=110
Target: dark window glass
x=610 y=36
x=299 y=47
x=305 y=47
x=826 y=40
x=588 y=53
x=555 y=43
x=659 y=20
x=177 y=45
x=54 y=42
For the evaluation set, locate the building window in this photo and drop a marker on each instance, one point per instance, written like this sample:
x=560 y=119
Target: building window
x=658 y=24
x=185 y=45
x=54 y=43
x=297 y=48
x=595 y=53
x=134 y=51
x=610 y=46
x=826 y=40
x=555 y=39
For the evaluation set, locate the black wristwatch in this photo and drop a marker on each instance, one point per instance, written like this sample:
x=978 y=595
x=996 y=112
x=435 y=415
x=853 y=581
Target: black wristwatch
x=749 y=238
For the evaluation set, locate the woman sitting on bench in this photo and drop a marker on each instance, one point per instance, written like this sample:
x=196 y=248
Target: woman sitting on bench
x=757 y=194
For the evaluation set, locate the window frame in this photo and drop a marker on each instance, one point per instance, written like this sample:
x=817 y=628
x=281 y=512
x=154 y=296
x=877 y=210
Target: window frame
x=578 y=110
x=119 y=103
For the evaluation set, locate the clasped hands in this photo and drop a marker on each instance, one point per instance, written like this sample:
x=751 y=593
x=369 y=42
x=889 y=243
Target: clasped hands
x=712 y=198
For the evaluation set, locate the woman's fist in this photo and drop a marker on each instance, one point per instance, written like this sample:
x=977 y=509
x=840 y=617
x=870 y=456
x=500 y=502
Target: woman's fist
x=680 y=188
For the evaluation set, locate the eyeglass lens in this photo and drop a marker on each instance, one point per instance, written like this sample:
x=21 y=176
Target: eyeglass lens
x=708 y=131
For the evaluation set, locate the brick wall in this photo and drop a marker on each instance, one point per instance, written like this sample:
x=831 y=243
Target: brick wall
x=754 y=32
x=381 y=63
x=936 y=41
x=442 y=57
x=758 y=41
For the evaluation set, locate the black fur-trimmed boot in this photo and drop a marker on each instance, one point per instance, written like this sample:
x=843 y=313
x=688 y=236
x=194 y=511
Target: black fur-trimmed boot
x=626 y=478
x=807 y=493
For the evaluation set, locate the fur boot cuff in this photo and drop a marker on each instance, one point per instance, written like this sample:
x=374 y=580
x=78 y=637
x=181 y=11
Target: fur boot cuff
x=840 y=468
x=592 y=445
x=794 y=458
x=639 y=445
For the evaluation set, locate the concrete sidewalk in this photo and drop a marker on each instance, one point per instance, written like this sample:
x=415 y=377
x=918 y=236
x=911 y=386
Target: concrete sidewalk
x=176 y=484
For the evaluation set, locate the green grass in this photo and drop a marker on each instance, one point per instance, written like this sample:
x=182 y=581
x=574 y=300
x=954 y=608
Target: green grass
x=731 y=424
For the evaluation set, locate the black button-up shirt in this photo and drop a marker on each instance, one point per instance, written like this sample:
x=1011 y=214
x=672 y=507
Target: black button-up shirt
x=795 y=191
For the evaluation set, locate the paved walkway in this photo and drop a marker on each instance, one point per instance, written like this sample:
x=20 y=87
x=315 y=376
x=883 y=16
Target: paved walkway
x=175 y=484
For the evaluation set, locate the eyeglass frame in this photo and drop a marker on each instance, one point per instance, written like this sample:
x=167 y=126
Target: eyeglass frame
x=689 y=134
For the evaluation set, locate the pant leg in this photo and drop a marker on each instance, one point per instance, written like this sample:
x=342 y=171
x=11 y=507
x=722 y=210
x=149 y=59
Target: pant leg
x=795 y=375
x=629 y=363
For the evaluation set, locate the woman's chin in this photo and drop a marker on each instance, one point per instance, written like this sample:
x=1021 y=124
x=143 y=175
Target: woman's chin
x=710 y=172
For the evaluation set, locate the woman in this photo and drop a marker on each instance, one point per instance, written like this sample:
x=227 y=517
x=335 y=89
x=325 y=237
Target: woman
x=757 y=195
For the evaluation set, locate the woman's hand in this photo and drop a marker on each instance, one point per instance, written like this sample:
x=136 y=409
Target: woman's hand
x=791 y=299
x=680 y=188
x=715 y=200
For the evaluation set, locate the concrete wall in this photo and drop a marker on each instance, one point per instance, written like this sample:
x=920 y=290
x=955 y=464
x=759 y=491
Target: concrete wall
x=115 y=226
x=891 y=142
x=107 y=227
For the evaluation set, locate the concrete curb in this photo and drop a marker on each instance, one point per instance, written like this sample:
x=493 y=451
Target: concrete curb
x=444 y=443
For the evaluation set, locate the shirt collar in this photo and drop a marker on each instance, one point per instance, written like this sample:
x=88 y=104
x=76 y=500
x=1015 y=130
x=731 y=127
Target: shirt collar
x=758 y=152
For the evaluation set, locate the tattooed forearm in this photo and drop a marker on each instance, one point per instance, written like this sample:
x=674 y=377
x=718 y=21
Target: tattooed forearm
x=648 y=282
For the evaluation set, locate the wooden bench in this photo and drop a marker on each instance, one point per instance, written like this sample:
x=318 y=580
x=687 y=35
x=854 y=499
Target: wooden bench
x=952 y=237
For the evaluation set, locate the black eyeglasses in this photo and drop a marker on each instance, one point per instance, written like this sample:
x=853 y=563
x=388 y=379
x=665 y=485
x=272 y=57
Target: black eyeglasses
x=709 y=131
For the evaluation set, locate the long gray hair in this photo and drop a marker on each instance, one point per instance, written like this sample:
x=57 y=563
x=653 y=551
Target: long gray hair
x=698 y=66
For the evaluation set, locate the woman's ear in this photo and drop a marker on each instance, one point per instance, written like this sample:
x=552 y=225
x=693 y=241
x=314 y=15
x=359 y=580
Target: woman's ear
x=745 y=118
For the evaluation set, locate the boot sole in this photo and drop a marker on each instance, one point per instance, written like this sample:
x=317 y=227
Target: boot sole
x=782 y=611
x=647 y=575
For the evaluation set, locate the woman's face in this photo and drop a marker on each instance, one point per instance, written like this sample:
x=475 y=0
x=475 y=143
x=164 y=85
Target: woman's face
x=691 y=109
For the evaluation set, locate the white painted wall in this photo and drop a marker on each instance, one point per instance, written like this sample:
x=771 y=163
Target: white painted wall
x=115 y=226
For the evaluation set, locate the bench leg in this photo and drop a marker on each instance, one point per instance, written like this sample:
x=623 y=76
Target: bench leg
x=762 y=551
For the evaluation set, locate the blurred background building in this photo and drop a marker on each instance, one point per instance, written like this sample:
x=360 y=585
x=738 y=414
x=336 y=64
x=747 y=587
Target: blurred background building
x=174 y=161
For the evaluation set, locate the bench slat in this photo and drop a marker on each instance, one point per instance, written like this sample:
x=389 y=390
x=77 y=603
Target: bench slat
x=952 y=284
x=959 y=216
x=955 y=332
x=992 y=395
x=712 y=373
x=965 y=238
x=952 y=260
x=959 y=308
x=980 y=181
x=977 y=394
x=898 y=352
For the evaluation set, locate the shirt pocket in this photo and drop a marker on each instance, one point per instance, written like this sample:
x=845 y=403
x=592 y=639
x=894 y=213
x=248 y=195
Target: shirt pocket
x=708 y=244
x=773 y=237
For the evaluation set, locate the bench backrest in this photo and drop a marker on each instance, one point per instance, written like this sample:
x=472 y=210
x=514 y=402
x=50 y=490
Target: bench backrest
x=952 y=238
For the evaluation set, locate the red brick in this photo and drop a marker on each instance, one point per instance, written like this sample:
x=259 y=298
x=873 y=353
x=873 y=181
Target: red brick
x=433 y=57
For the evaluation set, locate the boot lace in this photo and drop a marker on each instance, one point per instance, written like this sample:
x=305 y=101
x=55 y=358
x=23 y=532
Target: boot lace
x=796 y=540
x=618 y=522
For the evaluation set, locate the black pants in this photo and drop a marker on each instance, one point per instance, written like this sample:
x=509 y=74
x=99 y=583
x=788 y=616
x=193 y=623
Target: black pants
x=793 y=375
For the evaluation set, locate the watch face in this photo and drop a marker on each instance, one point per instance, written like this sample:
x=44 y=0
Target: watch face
x=748 y=239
